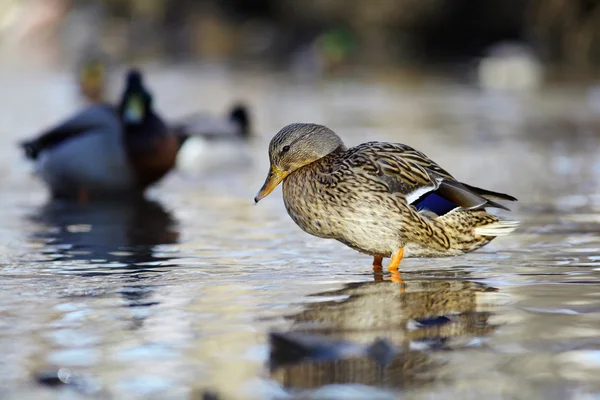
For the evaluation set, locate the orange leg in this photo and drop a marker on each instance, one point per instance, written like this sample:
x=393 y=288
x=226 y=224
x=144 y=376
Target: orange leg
x=395 y=261
x=393 y=266
x=377 y=266
x=83 y=196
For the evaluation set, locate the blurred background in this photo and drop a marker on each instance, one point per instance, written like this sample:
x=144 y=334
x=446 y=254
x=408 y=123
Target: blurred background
x=314 y=36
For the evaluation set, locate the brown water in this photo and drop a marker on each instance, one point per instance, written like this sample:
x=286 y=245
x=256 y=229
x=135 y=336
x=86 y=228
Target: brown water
x=175 y=296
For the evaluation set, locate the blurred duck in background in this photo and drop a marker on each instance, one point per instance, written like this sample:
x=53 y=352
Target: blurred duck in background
x=235 y=125
x=214 y=141
x=106 y=152
x=208 y=141
x=91 y=80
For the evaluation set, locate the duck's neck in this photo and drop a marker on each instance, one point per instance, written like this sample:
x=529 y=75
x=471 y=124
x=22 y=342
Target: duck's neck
x=341 y=149
x=321 y=164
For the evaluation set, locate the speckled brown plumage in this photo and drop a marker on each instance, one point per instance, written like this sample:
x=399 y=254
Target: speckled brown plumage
x=364 y=196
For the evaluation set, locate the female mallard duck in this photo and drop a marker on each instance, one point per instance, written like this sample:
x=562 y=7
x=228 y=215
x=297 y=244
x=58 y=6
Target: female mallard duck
x=91 y=80
x=382 y=199
x=105 y=151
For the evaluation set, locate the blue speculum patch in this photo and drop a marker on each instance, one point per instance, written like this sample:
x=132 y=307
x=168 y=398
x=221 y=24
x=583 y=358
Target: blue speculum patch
x=435 y=203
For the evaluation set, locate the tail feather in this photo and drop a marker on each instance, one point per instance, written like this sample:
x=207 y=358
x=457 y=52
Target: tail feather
x=466 y=230
x=471 y=197
x=499 y=228
x=31 y=149
x=490 y=195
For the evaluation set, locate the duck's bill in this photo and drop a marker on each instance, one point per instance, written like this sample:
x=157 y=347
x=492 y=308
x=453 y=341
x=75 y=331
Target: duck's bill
x=273 y=179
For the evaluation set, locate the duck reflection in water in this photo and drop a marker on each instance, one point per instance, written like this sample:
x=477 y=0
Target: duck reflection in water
x=123 y=232
x=380 y=335
x=107 y=238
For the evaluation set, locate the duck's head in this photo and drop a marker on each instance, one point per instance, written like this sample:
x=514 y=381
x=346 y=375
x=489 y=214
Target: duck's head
x=295 y=146
x=91 y=79
x=136 y=102
x=239 y=114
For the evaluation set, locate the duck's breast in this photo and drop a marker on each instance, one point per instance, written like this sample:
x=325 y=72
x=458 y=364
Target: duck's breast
x=157 y=157
x=313 y=207
x=151 y=149
x=367 y=221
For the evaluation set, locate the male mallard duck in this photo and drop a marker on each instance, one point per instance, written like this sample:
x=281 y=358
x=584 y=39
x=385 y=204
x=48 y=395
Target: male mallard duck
x=105 y=151
x=204 y=127
x=382 y=199
x=210 y=140
x=91 y=81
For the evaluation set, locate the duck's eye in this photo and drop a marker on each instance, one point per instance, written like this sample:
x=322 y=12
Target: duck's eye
x=285 y=149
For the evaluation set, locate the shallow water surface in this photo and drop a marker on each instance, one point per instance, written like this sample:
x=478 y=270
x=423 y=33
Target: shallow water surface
x=175 y=297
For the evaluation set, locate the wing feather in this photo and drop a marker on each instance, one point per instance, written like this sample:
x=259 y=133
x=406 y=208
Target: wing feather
x=406 y=171
x=93 y=117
